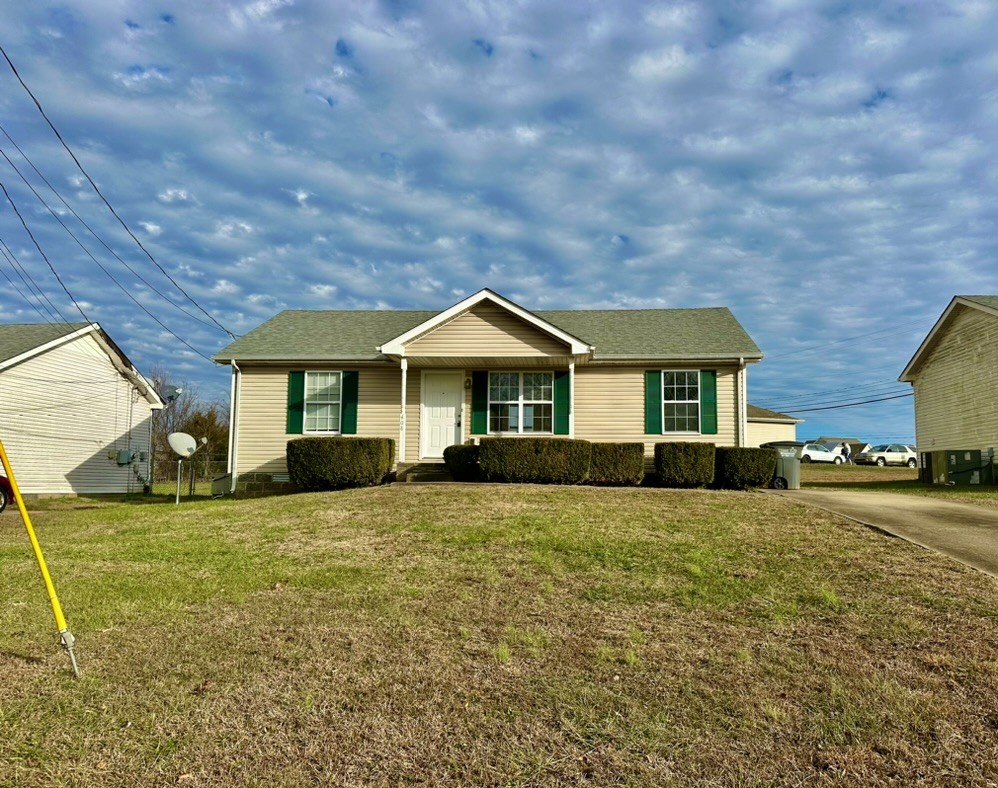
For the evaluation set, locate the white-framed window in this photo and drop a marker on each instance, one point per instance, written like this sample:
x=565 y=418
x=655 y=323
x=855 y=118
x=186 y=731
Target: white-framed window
x=521 y=402
x=681 y=401
x=323 y=402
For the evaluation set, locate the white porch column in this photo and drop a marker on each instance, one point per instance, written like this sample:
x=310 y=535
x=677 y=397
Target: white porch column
x=742 y=403
x=571 y=399
x=402 y=418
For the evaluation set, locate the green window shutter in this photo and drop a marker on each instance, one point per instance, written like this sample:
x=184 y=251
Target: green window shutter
x=708 y=401
x=348 y=417
x=479 y=403
x=653 y=402
x=296 y=403
x=562 y=402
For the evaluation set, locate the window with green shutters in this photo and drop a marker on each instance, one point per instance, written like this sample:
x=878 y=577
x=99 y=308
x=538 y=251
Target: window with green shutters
x=322 y=402
x=682 y=401
x=520 y=403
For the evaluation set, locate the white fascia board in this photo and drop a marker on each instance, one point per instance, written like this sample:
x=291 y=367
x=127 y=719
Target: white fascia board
x=907 y=376
x=396 y=346
x=128 y=371
x=37 y=351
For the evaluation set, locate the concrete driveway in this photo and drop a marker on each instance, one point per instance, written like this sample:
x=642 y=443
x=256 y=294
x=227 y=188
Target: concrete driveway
x=962 y=531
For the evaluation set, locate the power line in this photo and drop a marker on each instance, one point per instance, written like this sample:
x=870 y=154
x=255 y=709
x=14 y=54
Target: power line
x=44 y=256
x=91 y=230
x=54 y=314
x=104 y=199
x=852 y=404
x=858 y=338
x=98 y=263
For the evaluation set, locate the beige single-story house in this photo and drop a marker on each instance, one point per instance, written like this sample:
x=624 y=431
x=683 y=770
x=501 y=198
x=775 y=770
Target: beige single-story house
x=484 y=366
x=954 y=376
x=765 y=426
x=75 y=414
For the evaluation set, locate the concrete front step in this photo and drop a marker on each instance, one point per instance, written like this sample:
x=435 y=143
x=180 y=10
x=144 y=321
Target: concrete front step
x=425 y=472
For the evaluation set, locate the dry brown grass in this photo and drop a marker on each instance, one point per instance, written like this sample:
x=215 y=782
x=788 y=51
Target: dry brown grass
x=893 y=479
x=481 y=635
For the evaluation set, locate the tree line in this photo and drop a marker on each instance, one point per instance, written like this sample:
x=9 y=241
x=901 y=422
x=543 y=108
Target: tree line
x=200 y=418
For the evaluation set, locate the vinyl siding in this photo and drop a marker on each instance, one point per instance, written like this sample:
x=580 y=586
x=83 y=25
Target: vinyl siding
x=262 y=440
x=956 y=406
x=62 y=412
x=486 y=331
x=760 y=432
x=609 y=406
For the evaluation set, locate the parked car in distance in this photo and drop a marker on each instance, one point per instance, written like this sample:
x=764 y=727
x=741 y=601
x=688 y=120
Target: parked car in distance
x=888 y=454
x=817 y=452
x=6 y=493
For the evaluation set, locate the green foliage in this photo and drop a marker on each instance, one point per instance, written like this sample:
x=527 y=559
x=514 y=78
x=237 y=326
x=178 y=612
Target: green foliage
x=462 y=462
x=535 y=460
x=617 y=464
x=316 y=464
x=744 y=468
x=684 y=464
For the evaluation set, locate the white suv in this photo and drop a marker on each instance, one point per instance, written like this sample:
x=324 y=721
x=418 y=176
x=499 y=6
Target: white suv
x=888 y=454
x=815 y=452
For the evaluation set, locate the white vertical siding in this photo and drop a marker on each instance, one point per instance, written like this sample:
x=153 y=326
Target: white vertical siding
x=956 y=405
x=63 y=412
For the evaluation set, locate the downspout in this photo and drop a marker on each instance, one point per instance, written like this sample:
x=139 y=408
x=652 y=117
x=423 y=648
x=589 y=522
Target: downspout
x=402 y=415
x=234 y=391
x=571 y=399
x=742 y=403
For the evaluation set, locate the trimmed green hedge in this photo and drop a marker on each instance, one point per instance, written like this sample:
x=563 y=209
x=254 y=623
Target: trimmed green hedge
x=617 y=464
x=534 y=460
x=684 y=464
x=334 y=463
x=462 y=462
x=744 y=468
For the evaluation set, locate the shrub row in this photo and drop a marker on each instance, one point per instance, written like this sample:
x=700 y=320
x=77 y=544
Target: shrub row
x=568 y=461
x=335 y=463
x=547 y=461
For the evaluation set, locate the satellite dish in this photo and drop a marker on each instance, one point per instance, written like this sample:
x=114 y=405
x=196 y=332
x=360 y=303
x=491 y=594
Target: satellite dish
x=182 y=443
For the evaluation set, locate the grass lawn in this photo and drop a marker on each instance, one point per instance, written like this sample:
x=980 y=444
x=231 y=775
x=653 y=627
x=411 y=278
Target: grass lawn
x=892 y=479
x=519 y=635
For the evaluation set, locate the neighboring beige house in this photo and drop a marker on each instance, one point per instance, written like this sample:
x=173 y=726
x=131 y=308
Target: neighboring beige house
x=485 y=366
x=954 y=374
x=765 y=426
x=75 y=415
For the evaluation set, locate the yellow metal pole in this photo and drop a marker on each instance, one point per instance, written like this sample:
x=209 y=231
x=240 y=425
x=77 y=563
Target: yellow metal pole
x=65 y=636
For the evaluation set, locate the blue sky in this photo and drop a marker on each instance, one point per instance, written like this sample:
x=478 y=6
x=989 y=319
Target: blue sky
x=825 y=169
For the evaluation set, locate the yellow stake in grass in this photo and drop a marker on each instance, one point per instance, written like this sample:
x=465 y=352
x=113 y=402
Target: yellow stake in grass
x=65 y=636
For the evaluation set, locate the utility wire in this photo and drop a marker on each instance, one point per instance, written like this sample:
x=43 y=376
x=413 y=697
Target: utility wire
x=97 y=262
x=104 y=199
x=852 y=404
x=44 y=256
x=54 y=314
x=858 y=338
x=92 y=231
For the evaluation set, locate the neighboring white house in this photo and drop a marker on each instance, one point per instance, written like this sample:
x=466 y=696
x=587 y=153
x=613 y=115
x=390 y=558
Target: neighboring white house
x=954 y=374
x=75 y=415
x=765 y=426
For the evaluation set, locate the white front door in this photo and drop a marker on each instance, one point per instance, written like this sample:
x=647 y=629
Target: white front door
x=443 y=398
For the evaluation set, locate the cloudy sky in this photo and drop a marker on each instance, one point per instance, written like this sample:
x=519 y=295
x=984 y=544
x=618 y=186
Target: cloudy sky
x=825 y=169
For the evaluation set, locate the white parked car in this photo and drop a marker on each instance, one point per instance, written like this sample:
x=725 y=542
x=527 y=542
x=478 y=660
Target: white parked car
x=888 y=454
x=816 y=452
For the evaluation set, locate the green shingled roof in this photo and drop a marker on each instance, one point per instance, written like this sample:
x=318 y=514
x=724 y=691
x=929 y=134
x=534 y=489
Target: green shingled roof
x=300 y=335
x=18 y=338
x=984 y=300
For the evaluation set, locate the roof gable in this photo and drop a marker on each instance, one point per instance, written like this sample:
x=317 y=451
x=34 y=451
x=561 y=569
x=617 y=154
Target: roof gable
x=397 y=345
x=988 y=304
x=22 y=341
